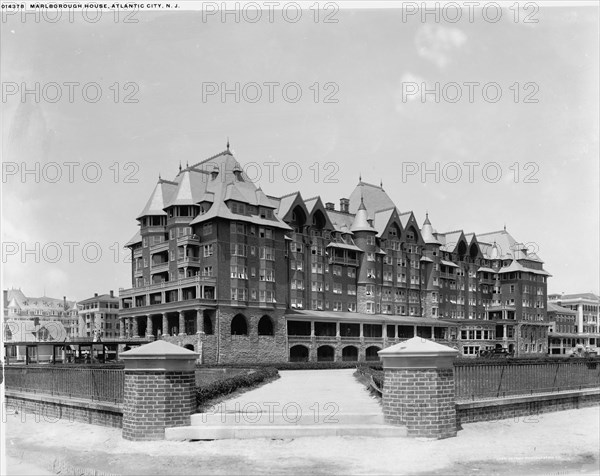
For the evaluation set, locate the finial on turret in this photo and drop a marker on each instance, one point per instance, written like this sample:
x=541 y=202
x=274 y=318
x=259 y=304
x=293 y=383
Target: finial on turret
x=227 y=142
x=360 y=178
x=505 y=227
x=381 y=184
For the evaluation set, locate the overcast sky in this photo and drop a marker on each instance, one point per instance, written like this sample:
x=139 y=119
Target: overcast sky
x=541 y=135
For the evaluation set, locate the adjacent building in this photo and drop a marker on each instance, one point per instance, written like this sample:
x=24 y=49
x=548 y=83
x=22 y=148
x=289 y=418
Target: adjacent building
x=99 y=317
x=37 y=319
x=577 y=318
x=241 y=276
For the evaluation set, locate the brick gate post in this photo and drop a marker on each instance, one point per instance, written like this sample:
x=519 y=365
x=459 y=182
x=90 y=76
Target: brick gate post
x=418 y=389
x=159 y=389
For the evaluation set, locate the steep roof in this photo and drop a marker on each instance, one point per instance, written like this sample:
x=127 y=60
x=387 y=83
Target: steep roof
x=162 y=193
x=27 y=303
x=341 y=221
x=374 y=197
x=508 y=247
x=382 y=219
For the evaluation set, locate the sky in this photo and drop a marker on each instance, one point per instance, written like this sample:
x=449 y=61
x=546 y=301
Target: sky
x=527 y=160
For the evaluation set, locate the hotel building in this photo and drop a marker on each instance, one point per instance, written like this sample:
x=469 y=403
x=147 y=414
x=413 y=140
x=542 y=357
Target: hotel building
x=241 y=276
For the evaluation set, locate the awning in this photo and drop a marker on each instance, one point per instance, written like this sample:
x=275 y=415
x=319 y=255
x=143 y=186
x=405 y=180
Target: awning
x=449 y=263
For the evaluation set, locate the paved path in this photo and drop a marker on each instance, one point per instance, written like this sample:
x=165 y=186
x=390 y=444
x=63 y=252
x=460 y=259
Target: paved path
x=331 y=391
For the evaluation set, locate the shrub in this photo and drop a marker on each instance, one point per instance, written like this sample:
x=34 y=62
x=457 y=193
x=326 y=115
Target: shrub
x=303 y=365
x=228 y=385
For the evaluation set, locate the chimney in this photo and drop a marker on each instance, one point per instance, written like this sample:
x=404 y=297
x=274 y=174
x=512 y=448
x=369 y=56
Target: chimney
x=330 y=206
x=95 y=294
x=64 y=303
x=112 y=293
x=344 y=205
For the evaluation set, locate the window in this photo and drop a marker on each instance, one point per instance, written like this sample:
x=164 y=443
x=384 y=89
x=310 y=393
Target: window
x=337 y=289
x=352 y=272
x=317 y=286
x=207 y=271
x=239 y=294
x=266 y=252
x=208 y=250
x=239 y=272
x=266 y=275
x=352 y=307
x=370 y=256
x=337 y=270
x=370 y=240
x=238 y=249
x=352 y=290
x=337 y=305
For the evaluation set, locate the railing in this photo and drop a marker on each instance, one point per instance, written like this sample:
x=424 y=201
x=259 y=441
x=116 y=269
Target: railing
x=480 y=380
x=166 y=285
x=100 y=384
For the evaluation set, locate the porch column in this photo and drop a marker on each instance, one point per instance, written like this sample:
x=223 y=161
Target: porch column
x=165 y=324
x=312 y=329
x=199 y=322
x=432 y=333
x=122 y=327
x=337 y=329
x=181 y=323
x=395 y=331
x=135 y=327
x=149 y=330
x=129 y=326
x=415 y=330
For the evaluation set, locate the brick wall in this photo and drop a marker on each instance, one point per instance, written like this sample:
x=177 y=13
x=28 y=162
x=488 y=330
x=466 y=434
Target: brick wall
x=50 y=408
x=421 y=399
x=155 y=400
x=524 y=406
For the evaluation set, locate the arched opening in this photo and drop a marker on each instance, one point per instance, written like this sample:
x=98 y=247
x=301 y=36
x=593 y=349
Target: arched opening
x=189 y=347
x=371 y=353
x=350 y=354
x=298 y=219
x=462 y=249
x=325 y=353
x=473 y=250
x=208 y=322
x=298 y=353
x=239 y=326
x=318 y=220
x=265 y=326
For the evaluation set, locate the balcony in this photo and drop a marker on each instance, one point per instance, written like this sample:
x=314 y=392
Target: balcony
x=159 y=267
x=188 y=240
x=158 y=247
x=168 y=285
x=188 y=261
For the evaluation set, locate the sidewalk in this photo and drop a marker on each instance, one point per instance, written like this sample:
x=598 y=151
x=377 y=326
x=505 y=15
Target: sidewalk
x=567 y=442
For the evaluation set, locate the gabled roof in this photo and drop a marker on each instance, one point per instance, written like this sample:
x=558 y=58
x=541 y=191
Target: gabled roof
x=231 y=183
x=383 y=218
x=190 y=189
x=314 y=204
x=341 y=221
x=450 y=240
x=135 y=239
x=515 y=266
x=374 y=197
x=286 y=203
x=44 y=303
x=162 y=193
x=508 y=247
